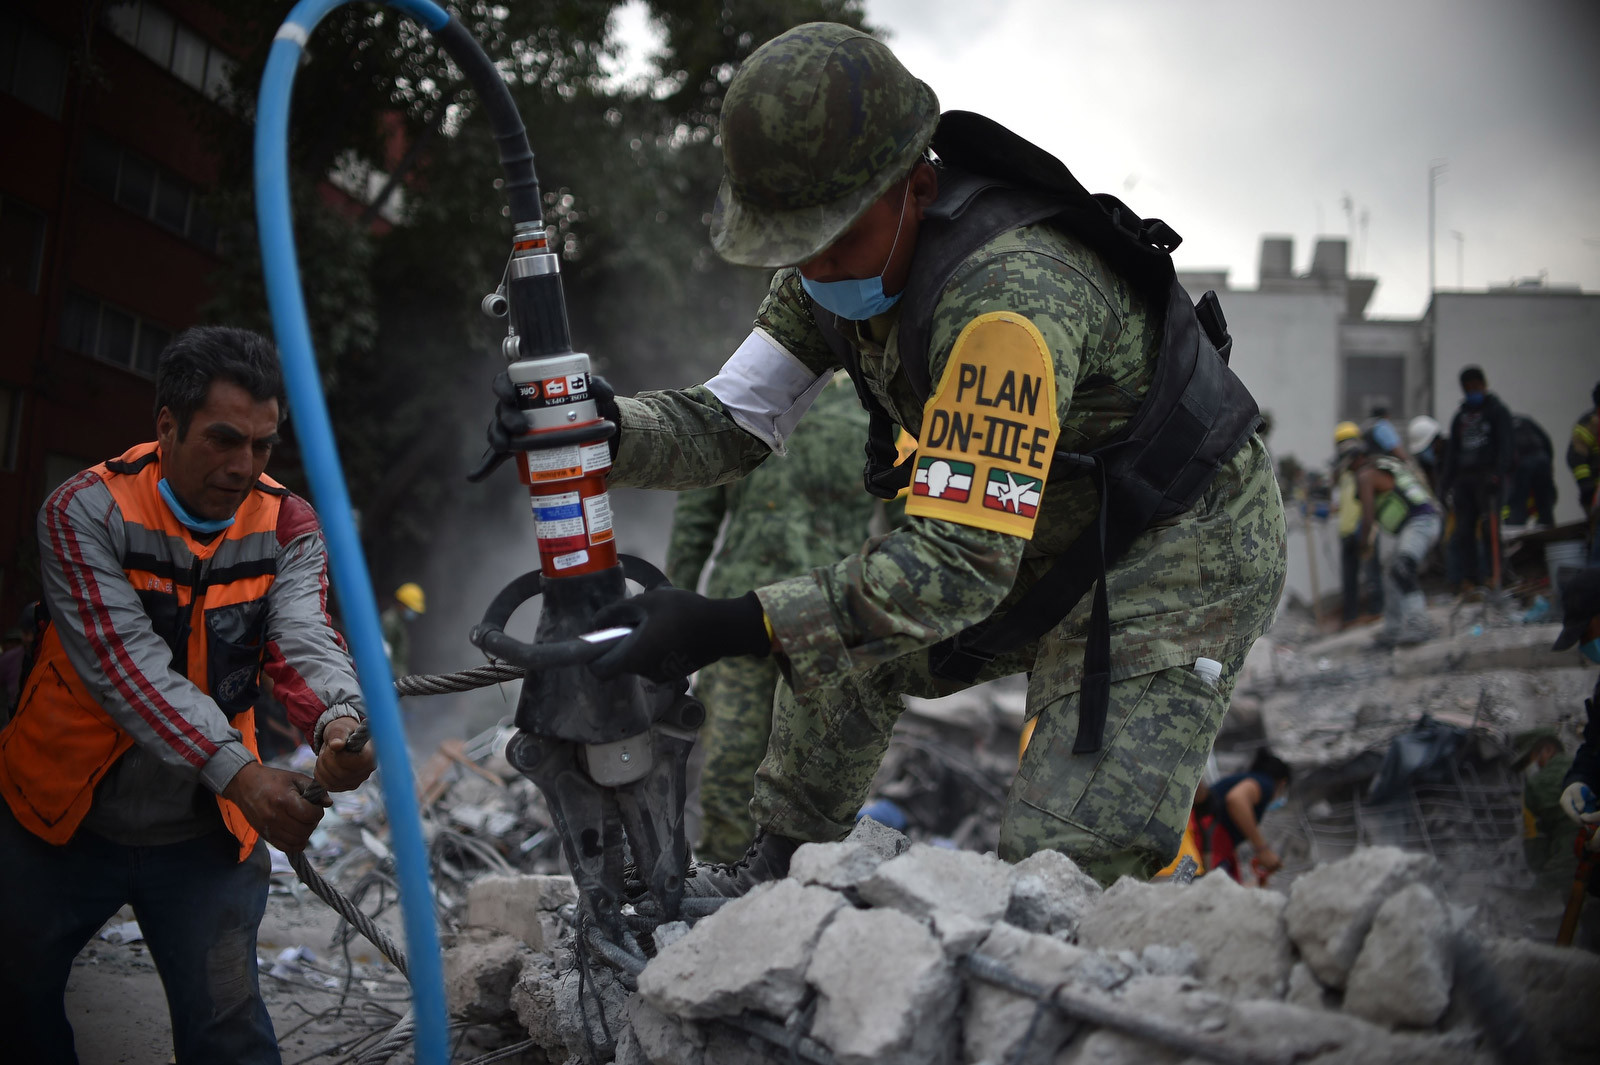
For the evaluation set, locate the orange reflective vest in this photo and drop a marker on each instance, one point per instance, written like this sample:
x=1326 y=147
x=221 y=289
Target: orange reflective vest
x=61 y=743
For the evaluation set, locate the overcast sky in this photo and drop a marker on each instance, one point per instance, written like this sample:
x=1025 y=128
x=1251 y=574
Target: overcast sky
x=1237 y=118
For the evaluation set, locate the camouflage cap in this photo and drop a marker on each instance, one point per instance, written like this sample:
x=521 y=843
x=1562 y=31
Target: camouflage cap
x=817 y=124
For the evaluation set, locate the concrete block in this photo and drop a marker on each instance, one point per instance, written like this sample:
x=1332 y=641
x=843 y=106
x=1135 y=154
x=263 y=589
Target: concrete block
x=751 y=954
x=958 y=933
x=886 y=993
x=533 y=998
x=589 y=1012
x=1158 y=959
x=1306 y=990
x=1237 y=933
x=997 y=1020
x=1402 y=975
x=879 y=838
x=521 y=906
x=1332 y=906
x=927 y=878
x=653 y=1038
x=1049 y=893
x=480 y=969
x=834 y=865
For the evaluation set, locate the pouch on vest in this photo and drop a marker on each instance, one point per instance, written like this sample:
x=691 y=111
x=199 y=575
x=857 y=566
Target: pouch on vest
x=1195 y=417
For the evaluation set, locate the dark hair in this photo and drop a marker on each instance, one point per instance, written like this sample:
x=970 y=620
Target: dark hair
x=1595 y=395
x=207 y=353
x=1473 y=375
x=1273 y=766
x=1380 y=411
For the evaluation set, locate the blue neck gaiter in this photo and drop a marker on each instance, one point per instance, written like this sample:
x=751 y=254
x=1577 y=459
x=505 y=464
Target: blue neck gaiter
x=859 y=298
x=187 y=520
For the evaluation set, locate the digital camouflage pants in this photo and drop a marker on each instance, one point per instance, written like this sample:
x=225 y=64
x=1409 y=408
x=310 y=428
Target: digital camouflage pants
x=1121 y=810
x=738 y=694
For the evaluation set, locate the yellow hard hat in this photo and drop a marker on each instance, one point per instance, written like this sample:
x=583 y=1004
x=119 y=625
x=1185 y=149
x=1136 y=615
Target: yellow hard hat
x=411 y=597
x=1346 y=431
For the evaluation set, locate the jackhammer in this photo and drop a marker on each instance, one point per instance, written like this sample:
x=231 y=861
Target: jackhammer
x=609 y=756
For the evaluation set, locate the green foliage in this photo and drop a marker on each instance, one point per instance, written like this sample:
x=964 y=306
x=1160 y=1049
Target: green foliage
x=629 y=174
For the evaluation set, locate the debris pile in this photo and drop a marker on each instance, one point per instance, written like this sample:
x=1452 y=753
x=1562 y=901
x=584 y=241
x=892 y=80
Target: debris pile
x=877 y=950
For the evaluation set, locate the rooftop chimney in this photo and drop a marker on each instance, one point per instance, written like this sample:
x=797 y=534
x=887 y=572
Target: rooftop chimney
x=1328 y=260
x=1277 y=255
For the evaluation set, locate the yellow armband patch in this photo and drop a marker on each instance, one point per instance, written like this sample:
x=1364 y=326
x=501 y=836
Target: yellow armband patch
x=989 y=430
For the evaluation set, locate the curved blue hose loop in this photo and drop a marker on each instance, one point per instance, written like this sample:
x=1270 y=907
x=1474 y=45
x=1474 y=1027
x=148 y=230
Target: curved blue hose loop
x=321 y=456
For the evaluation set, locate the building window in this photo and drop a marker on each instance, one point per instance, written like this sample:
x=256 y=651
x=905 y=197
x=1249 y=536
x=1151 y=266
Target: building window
x=170 y=44
x=33 y=68
x=21 y=243
x=146 y=189
x=91 y=326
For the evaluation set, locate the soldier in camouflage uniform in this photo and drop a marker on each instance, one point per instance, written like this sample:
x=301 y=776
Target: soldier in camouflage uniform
x=823 y=138
x=792 y=514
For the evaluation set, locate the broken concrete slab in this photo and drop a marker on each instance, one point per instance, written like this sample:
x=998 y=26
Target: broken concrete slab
x=1402 y=976
x=480 y=969
x=958 y=933
x=1236 y=932
x=998 y=1020
x=1050 y=893
x=926 y=878
x=879 y=838
x=1331 y=907
x=1521 y=647
x=751 y=954
x=844 y=864
x=886 y=993
x=521 y=906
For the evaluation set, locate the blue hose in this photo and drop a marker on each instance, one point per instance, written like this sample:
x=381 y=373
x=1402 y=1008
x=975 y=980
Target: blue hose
x=321 y=457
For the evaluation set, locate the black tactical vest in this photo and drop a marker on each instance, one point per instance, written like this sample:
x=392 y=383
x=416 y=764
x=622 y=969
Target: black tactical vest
x=1195 y=417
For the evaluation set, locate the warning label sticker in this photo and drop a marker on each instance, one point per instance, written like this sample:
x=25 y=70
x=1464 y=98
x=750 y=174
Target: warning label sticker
x=558 y=522
x=597 y=512
x=553 y=464
x=596 y=457
x=991 y=422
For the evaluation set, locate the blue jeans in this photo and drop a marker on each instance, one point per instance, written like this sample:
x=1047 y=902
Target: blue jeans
x=198 y=907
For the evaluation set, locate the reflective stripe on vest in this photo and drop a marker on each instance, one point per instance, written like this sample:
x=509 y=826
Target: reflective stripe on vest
x=1396 y=505
x=206 y=601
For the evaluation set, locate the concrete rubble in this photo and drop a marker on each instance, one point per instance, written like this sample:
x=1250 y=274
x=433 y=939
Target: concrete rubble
x=1354 y=965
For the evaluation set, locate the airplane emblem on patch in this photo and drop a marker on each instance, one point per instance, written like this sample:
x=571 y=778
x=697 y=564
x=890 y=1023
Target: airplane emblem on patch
x=1013 y=494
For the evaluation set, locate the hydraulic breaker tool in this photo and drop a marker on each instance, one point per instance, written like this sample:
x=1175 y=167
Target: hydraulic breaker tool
x=610 y=756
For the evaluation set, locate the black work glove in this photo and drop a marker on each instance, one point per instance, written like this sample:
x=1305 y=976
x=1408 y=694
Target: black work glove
x=676 y=632
x=508 y=427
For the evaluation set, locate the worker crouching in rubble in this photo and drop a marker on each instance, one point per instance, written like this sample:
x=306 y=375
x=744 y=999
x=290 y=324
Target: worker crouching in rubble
x=1580 y=787
x=175 y=576
x=1230 y=812
x=1034 y=344
x=1397 y=506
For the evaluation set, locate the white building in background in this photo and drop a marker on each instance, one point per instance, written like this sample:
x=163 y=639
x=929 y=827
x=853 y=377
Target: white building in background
x=1303 y=345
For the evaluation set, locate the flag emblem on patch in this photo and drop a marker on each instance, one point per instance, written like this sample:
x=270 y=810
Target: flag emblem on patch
x=943 y=479
x=1013 y=494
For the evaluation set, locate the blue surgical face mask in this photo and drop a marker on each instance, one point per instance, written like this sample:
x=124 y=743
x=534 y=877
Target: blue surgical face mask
x=1591 y=650
x=1277 y=804
x=1474 y=399
x=187 y=520
x=860 y=298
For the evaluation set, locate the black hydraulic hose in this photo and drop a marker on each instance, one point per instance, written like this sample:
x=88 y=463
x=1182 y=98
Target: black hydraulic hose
x=522 y=184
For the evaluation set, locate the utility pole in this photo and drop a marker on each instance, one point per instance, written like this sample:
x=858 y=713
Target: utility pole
x=1435 y=174
x=1461 y=259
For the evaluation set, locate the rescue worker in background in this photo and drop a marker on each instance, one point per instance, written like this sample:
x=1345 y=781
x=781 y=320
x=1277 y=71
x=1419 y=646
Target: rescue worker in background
x=408 y=604
x=823 y=136
x=1427 y=450
x=1357 y=574
x=1231 y=811
x=1540 y=756
x=1583 y=459
x=1580 y=786
x=175 y=576
x=1476 y=464
x=1533 y=477
x=795 y=512
x=1381 y=431
x=1396 y=507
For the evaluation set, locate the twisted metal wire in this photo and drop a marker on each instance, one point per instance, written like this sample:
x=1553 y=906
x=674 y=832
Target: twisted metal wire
x=349 y=911
x=463 y=680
